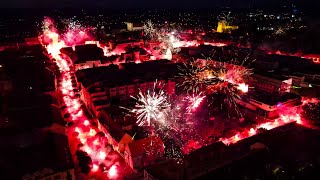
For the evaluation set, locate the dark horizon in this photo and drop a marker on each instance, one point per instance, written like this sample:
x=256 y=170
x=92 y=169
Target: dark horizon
x=306 y=4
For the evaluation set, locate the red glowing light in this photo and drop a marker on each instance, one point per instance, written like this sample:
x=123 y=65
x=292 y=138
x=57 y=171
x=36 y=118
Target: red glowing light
x=86 y=123
x=113 y=172
x=95 y=168
x=243 y=87
x=287 y=116
x=252 y=131
x=81 y=132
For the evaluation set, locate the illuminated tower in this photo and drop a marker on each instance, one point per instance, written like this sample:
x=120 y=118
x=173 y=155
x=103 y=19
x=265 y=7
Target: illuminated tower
x=129 y=26
x=223 y=27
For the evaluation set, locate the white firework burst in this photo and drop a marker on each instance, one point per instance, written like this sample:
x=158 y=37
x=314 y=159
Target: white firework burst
x=149 y=29
x=194 y=101
x=150 y=106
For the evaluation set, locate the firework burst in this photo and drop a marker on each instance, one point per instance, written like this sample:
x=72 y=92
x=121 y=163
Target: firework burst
x=281 y=30
x=194 y=77
x=167 y=37
x=224 y=80
x=194 y=101
x=149 y=29
x=225 y=16
x=150 y=106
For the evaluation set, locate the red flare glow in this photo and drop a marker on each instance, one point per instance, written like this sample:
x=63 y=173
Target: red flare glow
x=113 y=172
x=285 y=118
x=81 y=132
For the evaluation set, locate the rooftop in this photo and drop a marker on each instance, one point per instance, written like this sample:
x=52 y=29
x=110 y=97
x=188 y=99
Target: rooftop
x=88 y=52
x=113 y=128
x=270 y=75
x=150 y=145
x=271 y=99
x=301 y=141
x=130 y=73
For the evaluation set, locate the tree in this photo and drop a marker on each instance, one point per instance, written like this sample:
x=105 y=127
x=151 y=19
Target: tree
x=85 y=161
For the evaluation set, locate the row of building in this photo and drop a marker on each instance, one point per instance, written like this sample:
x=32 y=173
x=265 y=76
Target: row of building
x=105 y=88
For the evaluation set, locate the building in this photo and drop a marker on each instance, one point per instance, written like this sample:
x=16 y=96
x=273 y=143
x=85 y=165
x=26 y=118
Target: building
x=266 y=64
x=314 y=57
x=117 y=136
x=85 y=56
x=103 y=85
x=268 y=105
x=100 y=97
x=271 y=83
x=215 y=161
x=24 y=71
x=121 y=46
x=19 y=43
x=48 y=159
x=143 y=152
x=49 y=174
x=134 y=26
x=224 y=27
x=33 y=134
x=297 y=80
x=275 y=161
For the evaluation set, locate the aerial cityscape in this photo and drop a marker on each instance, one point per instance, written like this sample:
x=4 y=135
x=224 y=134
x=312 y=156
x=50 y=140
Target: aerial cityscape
x=215 y=92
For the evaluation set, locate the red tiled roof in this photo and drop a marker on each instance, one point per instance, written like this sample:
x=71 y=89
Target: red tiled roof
x=150 y=145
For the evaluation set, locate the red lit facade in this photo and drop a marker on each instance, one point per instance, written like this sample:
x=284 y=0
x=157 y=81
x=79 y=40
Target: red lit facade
x=100 y=96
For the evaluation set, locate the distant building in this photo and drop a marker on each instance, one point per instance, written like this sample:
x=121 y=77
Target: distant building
x=134 y=26
x=85 y=56
x=314 y=57
x=19 y=43
x=224 y=27
x=270 y=83
x=122 y=46
x=87 y=64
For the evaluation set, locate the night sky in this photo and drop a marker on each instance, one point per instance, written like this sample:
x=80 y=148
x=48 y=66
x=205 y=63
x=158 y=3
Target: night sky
x=150 y=3
x=142 y=3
